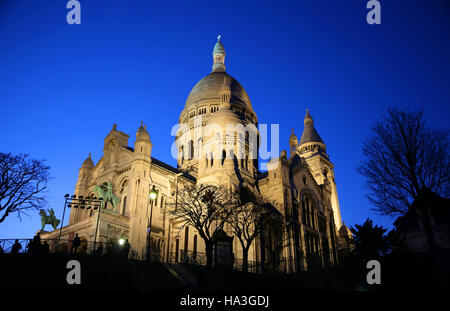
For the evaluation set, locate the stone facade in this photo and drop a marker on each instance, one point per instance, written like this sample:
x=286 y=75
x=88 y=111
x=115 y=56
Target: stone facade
x=301 y=186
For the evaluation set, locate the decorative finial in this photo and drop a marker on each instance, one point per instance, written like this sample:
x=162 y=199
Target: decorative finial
x=114 y=126
x=89 y=154
x=218 y=37
x=307 y=110
x=142 y=123
x=292 y=130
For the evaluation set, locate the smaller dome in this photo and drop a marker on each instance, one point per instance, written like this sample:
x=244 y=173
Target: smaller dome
x=142 y=133
x=293 y=141
x=88 y=163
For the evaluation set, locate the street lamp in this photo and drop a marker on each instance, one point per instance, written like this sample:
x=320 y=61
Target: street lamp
x=153 y=195
x=83 y=203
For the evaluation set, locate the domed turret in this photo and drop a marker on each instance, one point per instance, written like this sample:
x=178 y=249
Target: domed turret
x=88 y=163
x=142 y=133
x=143 y=145
x=310 y=134
x=293 y=142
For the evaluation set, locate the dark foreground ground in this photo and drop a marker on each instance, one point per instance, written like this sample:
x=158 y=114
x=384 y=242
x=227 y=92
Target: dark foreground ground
x=402 y=272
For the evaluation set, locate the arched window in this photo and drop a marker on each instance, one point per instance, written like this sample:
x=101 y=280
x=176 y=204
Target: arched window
x=224 y=155
x=182 y=154
x=186 y=239
x=162 y=201
x=195 y=244
x=177 y=249
x=212 y=159
x=199 y=147
x=191 y=150
x=124 y=206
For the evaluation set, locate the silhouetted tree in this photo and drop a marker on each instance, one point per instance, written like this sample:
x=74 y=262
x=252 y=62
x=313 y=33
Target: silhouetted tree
x=23 y=182
x=252 y=216
x=405 y=158
x=206 y=208
x=372 y=242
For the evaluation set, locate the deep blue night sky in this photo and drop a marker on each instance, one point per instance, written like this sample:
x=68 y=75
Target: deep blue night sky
x=62 y=87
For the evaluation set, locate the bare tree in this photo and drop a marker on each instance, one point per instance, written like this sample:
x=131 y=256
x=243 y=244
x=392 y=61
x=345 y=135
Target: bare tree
x=252 y=216
x=23 y=182
x=404 y=159
x=206 y=208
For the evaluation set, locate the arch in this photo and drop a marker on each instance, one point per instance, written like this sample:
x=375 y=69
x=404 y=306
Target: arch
x=195 y=244
x=309 y=208
x=191 y=149
x=224 y=155
x=199 y=147
x=177 y=249
x=186 y=238
x=163 y=198
x=182 y=154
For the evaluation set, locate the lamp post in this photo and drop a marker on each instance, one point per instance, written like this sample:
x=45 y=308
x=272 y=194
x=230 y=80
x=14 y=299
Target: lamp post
x=153 y=195
x=98 y=221
x=79 y=202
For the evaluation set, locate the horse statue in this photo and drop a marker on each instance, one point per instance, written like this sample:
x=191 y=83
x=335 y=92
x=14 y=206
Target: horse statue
x=106 y=193
x=49 y=219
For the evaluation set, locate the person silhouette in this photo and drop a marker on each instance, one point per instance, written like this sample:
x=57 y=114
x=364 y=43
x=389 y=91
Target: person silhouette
x=35 y=246
x=126 y=248
x=16 y=247
x=100 y=249
x=75 y=243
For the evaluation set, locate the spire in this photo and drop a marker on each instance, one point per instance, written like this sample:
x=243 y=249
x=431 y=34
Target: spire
x=309 y=133
x=218 y=56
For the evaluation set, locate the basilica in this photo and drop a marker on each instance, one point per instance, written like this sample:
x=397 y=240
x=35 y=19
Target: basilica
x=216 y=143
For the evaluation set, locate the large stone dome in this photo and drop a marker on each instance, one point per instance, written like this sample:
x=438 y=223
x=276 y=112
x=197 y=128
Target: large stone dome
x=208 y=89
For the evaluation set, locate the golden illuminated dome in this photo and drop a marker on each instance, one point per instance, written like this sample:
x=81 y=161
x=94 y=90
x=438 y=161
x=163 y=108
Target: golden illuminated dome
x=208 y=89
x=206 y=97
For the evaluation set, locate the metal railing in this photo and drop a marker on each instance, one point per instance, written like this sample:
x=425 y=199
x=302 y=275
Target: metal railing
x=26 y=246
x=309 y=261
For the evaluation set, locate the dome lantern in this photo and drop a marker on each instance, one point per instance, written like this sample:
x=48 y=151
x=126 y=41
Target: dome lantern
x=218 y=56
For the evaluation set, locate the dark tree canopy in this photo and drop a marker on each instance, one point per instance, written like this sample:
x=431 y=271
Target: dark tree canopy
x=403 y=158
x=23 y=182
x=372 y=242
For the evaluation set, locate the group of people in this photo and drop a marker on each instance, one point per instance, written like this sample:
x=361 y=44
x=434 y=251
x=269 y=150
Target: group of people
x=36 y=247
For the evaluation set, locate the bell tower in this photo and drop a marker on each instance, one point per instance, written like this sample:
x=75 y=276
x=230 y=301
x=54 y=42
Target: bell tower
x=314 y=151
